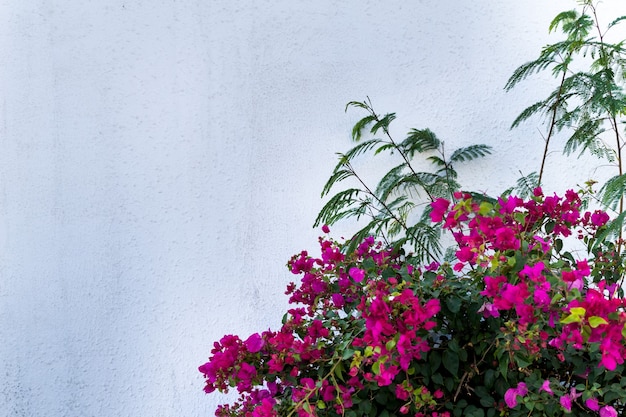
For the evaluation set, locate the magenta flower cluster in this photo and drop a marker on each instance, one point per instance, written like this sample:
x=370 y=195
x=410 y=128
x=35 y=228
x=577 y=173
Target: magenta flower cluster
x=370 y=332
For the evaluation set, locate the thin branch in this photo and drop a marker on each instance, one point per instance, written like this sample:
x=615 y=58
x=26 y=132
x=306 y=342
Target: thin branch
x=395 y=145
x=389 y=211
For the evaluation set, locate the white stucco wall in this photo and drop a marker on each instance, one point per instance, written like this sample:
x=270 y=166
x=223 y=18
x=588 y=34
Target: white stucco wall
x=160 y=161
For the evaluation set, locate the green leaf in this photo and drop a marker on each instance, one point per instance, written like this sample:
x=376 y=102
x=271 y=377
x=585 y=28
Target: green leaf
x=434 y=360
x=437 y=379
x=522 y=363
x=487 y=401
x=595 y=321
x=419 y=141
x=347 y=354
x=357 y=130
x=470 y=152
x=337 y=176
x=503 y=366
x=451 y=362
x=576 y=315
x=473 y=411
x=337 y=207
x=616 y=21
x=454 y=304
x=562 y=18
x=383 y=123
x=359 y=149
x=490 y=378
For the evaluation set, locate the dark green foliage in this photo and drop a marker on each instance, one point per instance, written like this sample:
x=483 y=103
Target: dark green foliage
x=397 y=208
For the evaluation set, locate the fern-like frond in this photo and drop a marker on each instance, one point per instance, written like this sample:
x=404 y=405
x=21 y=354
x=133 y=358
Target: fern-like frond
x=469 y=153
x=402 y=207
x=337 y=176
x=425 y=238
x=616 y=21
x=613 y=191
x=358 y=150
x=383 y=123
x=422 y=179
x=384 y=147
x=337 y=207
x=525 y=185
x=357 y=130
x=538 y=107
x=525 y=70
x=390 y=182
x=576 y=27
x=417 y=182
x=359 y=105
x=437 y=161
x=563 y=18
x=583 y=136
x=419 y=141
x=600 y=150
x=448 y=173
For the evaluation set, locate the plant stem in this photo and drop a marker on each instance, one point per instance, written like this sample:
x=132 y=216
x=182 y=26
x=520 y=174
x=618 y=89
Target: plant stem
x=396 y=147
x=612 y=118
x=389 y=211
x=552 y=126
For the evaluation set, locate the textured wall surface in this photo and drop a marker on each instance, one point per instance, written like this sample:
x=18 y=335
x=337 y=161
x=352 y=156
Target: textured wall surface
x=162 y=159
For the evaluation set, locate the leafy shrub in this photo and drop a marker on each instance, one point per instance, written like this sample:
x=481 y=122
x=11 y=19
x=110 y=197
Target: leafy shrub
x=523 y=315
x=515 y=323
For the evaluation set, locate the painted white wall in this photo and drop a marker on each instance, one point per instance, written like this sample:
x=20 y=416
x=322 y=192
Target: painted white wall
x=160 y=161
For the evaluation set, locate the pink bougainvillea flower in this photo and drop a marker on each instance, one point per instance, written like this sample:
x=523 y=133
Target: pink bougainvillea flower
x=402 y=393
x=492 y=285
x=599 y=218
x=338 y=300
x=509 y=204
x=592 y=404
x=325 y=229
x=245 y=375
x=357 y=274
x=566 y=400
x=254 y=343
x=542 y=297
x=511 y=296
x=545 y=244
x=573 y=280
x=533 y=272
x=439 y=207
x=566 y=403
x=546 y=387
x=386 y=375
x=266 y=409
x=465 y=254
x=510 y=396
x=505 y=239
x=608 y=411
x=489 y=310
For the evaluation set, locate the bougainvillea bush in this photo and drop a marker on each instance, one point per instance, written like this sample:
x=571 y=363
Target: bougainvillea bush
x=523 y=315
x=528 y=320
